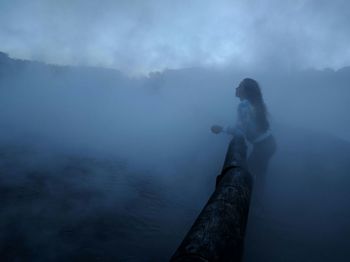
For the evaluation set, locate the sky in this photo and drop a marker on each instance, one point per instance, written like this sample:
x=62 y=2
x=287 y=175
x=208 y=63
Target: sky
x=142 y=36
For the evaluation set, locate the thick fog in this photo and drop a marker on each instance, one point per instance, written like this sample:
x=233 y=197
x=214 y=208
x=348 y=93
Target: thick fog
x=142 y=36
x=93 y=145
x=105 y=113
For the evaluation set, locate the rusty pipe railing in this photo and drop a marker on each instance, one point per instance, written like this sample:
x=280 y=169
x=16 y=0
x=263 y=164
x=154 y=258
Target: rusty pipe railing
x=218 y=233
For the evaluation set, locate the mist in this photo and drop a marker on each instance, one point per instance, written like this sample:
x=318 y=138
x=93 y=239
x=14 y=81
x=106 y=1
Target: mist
x=139 y=37
x=106 y=151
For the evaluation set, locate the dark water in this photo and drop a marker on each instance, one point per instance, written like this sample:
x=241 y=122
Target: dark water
x=72 y=208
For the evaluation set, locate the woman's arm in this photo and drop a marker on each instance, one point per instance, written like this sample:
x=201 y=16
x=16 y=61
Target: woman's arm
x=244 y=120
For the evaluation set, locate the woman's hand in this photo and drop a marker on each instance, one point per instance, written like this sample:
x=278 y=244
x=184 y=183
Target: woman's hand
x=216 y=129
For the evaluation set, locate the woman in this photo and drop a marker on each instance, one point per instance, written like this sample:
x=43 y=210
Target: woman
x=253 y=124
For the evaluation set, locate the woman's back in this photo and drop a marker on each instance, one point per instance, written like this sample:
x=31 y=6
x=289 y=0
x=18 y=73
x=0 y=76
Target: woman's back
x=248 y=122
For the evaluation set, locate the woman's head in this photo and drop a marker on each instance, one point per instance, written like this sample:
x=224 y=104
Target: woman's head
x=249 y=89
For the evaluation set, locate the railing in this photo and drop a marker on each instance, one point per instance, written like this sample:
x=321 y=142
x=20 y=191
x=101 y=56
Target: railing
x=218 y=233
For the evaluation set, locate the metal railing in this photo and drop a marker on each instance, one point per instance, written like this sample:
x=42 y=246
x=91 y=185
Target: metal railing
x=218 y=232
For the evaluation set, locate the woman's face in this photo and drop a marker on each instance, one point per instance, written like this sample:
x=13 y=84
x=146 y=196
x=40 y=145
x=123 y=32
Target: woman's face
x=239 y=91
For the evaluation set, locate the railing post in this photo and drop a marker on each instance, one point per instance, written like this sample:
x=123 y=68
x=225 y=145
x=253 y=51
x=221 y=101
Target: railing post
x=218 y=233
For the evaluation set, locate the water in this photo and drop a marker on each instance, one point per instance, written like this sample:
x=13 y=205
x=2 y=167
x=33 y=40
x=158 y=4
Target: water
x=58 y=207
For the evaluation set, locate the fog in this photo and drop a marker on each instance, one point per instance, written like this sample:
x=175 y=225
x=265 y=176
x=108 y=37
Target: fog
x=138 y=37
x=106 y=152
x=134 y=158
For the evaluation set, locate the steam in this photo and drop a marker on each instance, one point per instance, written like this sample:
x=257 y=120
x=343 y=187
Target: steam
x=139 y=37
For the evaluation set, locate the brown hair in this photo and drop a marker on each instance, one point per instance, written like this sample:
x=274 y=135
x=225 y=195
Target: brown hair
x=252 y=92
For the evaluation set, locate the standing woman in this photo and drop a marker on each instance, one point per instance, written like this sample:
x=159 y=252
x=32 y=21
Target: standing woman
x=253 y=124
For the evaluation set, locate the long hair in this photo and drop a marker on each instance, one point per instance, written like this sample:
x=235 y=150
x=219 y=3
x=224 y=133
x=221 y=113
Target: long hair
x=251 y=92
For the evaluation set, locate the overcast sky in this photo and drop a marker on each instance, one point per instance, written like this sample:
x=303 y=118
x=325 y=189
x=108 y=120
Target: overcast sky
x=139 y=36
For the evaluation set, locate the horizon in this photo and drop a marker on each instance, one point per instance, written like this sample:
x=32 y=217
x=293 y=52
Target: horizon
x=200 y=67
